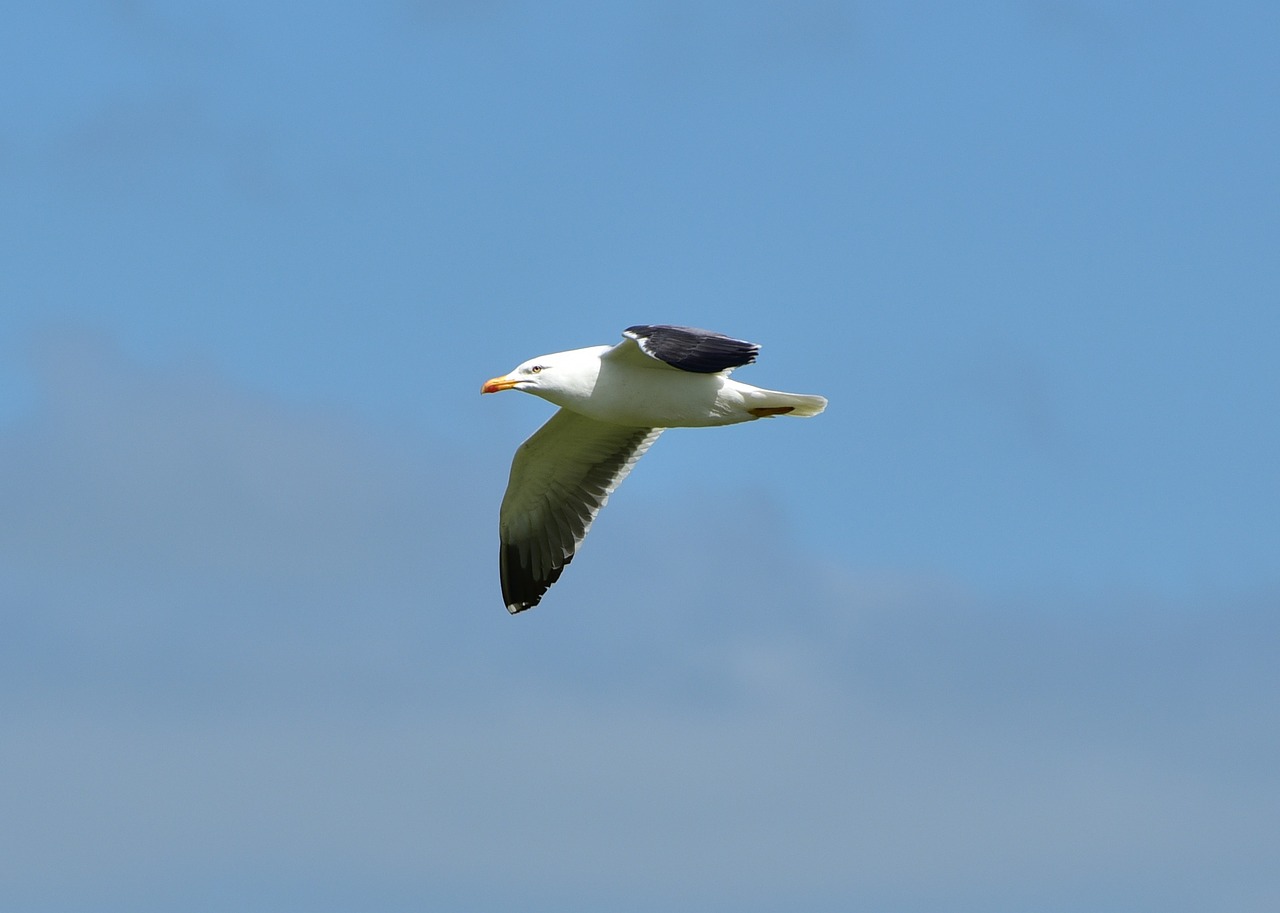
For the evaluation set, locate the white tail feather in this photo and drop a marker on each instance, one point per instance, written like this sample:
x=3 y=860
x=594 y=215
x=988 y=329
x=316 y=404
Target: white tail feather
x=802 y=405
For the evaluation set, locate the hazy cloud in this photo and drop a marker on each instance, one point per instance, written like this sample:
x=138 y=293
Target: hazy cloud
x=256 y=654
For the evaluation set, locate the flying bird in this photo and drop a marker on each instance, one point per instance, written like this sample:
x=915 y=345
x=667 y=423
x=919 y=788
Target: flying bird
x=614 y=402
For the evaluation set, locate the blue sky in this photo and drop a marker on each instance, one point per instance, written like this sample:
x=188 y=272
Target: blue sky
x=997 y=632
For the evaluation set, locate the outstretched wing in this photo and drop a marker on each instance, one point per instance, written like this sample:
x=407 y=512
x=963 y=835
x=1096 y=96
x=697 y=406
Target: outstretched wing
x=690 y=349
x=560 y=478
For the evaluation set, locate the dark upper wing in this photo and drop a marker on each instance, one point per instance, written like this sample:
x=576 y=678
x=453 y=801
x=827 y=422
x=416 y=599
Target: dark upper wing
x=560 y=479
x=691 y=349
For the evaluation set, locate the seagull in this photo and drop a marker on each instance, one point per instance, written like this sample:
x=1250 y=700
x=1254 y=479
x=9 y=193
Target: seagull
x=614 y=402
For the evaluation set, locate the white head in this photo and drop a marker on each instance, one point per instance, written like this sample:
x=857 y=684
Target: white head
x=555 y=377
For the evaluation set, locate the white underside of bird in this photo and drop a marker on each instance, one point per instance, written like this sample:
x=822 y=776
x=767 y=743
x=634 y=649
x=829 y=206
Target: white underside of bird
x=614 y=402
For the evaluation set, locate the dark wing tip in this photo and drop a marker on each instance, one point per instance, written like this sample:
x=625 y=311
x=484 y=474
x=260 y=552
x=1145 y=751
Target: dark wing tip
x=521 y=588
x=692 y=349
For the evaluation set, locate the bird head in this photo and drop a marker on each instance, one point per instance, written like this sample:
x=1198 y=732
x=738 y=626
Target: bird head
x=528 y=376
x=560 y=378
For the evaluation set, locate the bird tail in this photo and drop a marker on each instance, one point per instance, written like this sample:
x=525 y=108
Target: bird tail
x=764 y=403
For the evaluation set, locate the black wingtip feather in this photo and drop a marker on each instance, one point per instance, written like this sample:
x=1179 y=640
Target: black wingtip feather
x=692 y=349
x=520 y=588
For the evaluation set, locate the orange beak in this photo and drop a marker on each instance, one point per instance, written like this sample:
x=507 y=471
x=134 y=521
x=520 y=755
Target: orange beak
x=498 y=384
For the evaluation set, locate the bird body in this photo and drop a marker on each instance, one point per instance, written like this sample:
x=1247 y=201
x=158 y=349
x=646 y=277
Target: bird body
x=628 y=387
x=614 y=402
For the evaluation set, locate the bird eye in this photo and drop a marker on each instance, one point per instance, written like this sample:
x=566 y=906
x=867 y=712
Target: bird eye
x=536 y=368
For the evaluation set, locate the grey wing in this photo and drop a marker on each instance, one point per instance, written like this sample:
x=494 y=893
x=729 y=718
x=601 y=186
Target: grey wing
x=692 y=349
x=560 y=478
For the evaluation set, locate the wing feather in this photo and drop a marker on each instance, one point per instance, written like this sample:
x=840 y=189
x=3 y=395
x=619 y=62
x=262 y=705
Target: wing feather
x=689 y=348
x=560 y=478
